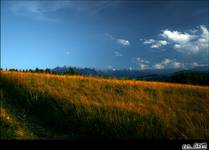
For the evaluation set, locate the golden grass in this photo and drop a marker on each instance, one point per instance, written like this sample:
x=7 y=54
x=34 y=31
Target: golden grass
x=182 y=109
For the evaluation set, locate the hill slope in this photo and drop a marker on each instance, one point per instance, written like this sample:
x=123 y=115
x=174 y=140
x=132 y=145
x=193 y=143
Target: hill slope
x=49 y=106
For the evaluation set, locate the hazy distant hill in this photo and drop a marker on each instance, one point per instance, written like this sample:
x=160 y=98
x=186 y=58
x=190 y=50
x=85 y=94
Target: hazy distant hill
x=125 y=72
x=197 y=75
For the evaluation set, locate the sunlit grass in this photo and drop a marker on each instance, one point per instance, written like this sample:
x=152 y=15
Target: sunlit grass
x=93 y=107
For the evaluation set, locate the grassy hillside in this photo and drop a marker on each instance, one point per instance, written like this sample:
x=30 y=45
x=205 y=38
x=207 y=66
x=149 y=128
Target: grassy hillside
x=45 y=106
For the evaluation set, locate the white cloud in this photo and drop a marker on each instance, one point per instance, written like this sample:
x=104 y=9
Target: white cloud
x=192 y=42
x=118 y=54
x=159 y=43
x=187 y=48
x=203 y=41
x=123 y=42
x=164 y=64
x=177 y=46
x=154 y=43
x=176 y=36
x=110 y=67
x=205 y=33
x=130 y=68
x=168 y=63
x=149 y=41
x=142 y=63
x=177 y=65
x=195 y=64
x=140 y=60
x=155 y=46
x=193 y=31
x=119 y=41
x=158 y=66
x=163 y=42
x=143 y=66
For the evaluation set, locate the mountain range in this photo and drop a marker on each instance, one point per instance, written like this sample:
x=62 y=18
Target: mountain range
x=127 y=73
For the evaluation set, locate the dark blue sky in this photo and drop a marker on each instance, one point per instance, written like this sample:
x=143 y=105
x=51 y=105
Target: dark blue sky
x=104 y=34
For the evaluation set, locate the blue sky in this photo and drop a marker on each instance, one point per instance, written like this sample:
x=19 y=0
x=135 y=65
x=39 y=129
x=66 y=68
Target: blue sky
x=104 y=34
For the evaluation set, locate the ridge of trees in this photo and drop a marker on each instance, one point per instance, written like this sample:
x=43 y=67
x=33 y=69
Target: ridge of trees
x=70 y=70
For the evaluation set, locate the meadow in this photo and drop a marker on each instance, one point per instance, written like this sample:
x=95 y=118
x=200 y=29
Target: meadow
x=48 y=106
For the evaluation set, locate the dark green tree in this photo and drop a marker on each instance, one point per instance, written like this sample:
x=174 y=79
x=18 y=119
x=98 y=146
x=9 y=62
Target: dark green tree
x=47 y=70
x=71 y=71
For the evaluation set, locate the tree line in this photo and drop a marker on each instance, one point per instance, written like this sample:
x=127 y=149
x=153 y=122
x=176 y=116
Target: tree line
x=191 y=77
x=70 y=70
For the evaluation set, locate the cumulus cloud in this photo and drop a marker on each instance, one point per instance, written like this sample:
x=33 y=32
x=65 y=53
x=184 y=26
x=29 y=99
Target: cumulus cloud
x=176 y=36
x=154 y=43
x=118 y=54
x=123 y=42
x=191 y=42
x=168 y=63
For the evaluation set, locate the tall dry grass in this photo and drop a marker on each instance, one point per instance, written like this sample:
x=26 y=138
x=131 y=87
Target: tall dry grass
x=90 y=107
